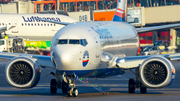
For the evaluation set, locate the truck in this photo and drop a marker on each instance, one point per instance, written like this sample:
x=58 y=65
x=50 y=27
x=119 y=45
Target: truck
x=15 y=45
x=20 y=45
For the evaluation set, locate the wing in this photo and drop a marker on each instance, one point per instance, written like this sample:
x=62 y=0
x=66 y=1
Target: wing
x=140 y=30
x=43 y=61
x=136 y=61
x=154 y=71
x=3 y=29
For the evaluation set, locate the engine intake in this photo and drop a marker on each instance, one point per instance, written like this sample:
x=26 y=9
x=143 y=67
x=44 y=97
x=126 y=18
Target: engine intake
x=157 y=72
x=22 y=72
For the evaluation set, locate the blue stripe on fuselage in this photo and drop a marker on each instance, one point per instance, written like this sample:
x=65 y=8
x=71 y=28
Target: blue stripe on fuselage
x=100 y=73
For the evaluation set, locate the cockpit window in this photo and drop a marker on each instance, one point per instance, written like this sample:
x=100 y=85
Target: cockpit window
x=63 y=41
x=73 y=41
x=83 y=42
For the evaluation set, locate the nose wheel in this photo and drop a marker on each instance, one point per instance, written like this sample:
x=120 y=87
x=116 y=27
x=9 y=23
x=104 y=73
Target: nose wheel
x=64 y=82
x=69 y=85
x=72 y=92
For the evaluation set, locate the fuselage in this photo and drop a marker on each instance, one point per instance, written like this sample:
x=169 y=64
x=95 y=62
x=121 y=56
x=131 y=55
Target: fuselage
x=27 y=25
x=83 y=48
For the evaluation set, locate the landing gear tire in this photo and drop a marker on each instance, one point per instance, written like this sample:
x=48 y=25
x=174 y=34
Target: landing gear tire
x=131 y=86
x=143 y=89
x=75 y=92
x=69 y=92
x=65 y=87
x=53 y=87
x=72 y=93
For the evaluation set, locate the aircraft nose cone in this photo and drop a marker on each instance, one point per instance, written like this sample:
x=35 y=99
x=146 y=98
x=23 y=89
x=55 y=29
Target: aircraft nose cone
x=68 y=58
x=65 y=60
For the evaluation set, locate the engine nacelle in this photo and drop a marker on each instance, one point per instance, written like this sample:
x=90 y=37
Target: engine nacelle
x=22 y=72
x=157 y=72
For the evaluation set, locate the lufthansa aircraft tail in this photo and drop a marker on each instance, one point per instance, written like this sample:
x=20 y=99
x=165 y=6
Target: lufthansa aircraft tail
x=121 y=10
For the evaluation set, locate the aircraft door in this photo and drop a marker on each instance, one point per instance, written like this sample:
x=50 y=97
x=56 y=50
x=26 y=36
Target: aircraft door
x=97 y=50
x=14 y=26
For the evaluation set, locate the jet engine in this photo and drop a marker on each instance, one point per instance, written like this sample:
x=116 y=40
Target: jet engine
x=157 y=72
x=22 y=72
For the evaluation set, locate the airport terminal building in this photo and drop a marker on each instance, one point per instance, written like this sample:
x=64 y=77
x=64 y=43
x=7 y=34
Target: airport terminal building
x=141 y=13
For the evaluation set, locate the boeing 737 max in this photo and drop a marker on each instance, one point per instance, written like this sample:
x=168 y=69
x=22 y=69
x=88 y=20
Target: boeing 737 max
x=27 y=25
x=93 y=49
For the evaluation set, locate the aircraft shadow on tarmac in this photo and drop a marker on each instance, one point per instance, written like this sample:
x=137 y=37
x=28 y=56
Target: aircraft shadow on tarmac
x=83 y=91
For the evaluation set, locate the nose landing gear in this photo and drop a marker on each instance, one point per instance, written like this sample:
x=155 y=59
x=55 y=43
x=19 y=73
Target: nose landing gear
x=66 y=83
x=71 y=88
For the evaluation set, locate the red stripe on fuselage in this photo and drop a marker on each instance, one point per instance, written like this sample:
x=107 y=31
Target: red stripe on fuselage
x=86 y=60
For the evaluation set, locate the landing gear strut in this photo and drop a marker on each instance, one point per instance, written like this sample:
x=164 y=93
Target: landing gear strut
x=66 y=83
x=133 y=84
x=71 y=88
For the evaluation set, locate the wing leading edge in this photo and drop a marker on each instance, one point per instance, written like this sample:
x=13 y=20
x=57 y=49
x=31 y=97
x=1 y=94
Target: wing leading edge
x=3 y=29
x=43 y=61
x=136 y=61
x=140 y=30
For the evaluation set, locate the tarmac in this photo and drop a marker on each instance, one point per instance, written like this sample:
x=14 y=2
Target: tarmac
x=113 y=88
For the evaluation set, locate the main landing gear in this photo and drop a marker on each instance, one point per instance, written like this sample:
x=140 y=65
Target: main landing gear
x=133 y=84
x=66 y=83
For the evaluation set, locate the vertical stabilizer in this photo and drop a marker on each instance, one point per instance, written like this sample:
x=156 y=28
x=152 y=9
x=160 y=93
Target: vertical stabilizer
x=121 y=10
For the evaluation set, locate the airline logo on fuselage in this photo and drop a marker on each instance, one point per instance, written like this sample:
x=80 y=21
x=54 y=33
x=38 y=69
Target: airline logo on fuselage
x=34 y=19
x=85 y=58
x=103 y=33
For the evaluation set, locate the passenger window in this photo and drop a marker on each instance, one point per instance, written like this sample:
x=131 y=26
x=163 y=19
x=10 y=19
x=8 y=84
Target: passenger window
x=9 y=23
x=31 y=24
x=22 y=24
x=73 y=41
x=44 y=24
x=3 y=24
x=35 y=24
x=41 y=24
x=28 y=24
x=25 y=24
x=54 y=24
x=63 y=41
x=47 y=24
x=51 y=24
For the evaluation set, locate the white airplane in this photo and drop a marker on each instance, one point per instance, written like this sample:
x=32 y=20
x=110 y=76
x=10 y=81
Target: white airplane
x=97 y=50
x=27 y=25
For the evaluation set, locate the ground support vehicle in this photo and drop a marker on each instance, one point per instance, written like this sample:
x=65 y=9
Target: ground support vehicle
x=20 y=45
